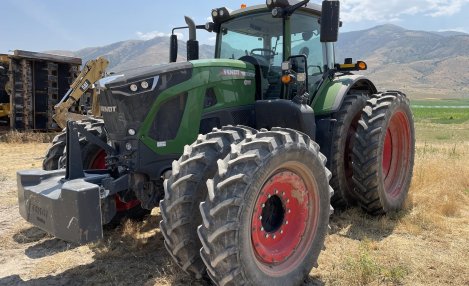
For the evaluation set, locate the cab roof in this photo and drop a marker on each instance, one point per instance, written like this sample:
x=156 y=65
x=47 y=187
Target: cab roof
x=310 y=7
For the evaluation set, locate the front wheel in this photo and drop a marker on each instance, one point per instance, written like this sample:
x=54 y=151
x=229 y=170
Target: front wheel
x=186 y=188
x=383 y=155
x=267 y=214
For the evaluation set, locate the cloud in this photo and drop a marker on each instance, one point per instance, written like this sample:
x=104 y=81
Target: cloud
x=383 y=11
x=150 y=35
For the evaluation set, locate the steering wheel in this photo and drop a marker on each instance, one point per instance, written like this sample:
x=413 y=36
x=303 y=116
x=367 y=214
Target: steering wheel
x=315 y=67
x=267 y=52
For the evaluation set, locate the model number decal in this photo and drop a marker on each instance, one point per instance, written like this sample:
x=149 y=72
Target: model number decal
x=236 y=73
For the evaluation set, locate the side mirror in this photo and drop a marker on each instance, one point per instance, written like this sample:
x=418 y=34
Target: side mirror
x=330 y=21
x=173 y=48
x=295 y=70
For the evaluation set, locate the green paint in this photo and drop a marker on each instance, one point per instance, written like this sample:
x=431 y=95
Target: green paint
x=234 y=85
x=327 y=94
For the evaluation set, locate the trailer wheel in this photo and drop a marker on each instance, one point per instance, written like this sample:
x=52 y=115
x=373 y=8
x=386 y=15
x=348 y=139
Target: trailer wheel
x=186 y=188
x=93 y=158
x=343 y=140
x=267 y=211
x=383 y=156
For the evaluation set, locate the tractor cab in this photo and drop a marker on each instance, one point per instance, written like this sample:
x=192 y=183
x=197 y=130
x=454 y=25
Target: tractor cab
x=254 y=35
x=282 y=39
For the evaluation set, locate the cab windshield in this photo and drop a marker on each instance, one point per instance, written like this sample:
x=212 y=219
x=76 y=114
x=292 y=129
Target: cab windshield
x=261 y=36
x=251 y=35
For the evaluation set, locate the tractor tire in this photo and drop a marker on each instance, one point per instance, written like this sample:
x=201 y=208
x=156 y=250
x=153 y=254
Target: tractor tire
x=51 y=160
x=93 y=158
x=267 y=211
x=343 y=140
x=186 y=188
x=383 y=154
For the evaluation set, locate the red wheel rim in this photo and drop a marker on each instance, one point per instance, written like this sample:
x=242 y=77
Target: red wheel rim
x=99 y=162
x=121 y=206
x=284 y=221
x=396 y=154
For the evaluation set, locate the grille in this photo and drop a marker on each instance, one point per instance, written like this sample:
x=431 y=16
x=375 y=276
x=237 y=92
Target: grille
x=168 y=119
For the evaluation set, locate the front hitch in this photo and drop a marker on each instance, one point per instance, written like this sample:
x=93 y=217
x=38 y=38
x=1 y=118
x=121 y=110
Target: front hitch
x=72 y=204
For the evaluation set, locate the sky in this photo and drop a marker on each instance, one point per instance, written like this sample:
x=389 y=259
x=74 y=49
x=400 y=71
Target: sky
x=44 y=25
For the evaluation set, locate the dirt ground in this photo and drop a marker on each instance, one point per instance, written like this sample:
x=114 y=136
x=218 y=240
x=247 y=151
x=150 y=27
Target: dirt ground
x=425 y=244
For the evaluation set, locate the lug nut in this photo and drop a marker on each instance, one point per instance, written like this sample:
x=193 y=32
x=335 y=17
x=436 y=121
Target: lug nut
x=266 y=235
x=263 y=205
x=262 y=228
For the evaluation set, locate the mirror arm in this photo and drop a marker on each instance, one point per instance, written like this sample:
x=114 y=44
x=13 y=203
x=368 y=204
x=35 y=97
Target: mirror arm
x=290 y=10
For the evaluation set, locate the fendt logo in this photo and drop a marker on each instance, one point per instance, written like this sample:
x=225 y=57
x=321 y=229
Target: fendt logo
x=108 y=108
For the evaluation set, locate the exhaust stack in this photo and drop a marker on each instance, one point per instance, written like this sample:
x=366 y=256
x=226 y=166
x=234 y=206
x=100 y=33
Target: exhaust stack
x=192 y=43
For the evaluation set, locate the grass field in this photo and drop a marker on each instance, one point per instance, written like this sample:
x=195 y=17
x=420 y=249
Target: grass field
x=427 y=243
x=444 y=121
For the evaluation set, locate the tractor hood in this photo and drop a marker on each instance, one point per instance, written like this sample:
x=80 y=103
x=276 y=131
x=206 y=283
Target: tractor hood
x=136 y=74
x=126 y=99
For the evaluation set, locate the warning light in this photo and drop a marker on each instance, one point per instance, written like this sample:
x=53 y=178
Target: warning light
x=243 y=6
x=286 y=79
x=361 y=65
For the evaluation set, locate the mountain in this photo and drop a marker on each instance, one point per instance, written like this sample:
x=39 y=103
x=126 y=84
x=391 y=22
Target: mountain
x=422 y=64
x=132 y=54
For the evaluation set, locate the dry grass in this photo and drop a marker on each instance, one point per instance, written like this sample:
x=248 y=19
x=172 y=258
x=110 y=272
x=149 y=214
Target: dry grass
x=425 y=244
x=26 y=137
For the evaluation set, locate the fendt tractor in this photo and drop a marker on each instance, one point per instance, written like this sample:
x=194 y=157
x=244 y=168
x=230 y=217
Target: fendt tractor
x=233 y=149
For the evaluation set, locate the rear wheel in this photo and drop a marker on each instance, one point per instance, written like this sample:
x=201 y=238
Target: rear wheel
x=267 y=212
x=186 y=188
x=343 y=139
x=383 y=155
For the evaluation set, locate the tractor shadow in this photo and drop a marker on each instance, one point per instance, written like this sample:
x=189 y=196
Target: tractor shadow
x=355 y=224
x=46 y=245
x=133 y=254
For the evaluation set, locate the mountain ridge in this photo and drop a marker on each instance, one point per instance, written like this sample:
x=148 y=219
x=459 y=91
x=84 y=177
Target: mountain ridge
x=421 y=63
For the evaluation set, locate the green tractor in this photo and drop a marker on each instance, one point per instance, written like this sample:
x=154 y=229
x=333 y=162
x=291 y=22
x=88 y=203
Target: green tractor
x=241 y=152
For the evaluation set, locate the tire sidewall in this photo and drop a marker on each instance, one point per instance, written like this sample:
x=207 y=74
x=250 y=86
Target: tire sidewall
x=389 y=203
x=313 y=164
x=355 y=110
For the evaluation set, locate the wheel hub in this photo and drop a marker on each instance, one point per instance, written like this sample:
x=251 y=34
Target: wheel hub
x=280 y=217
